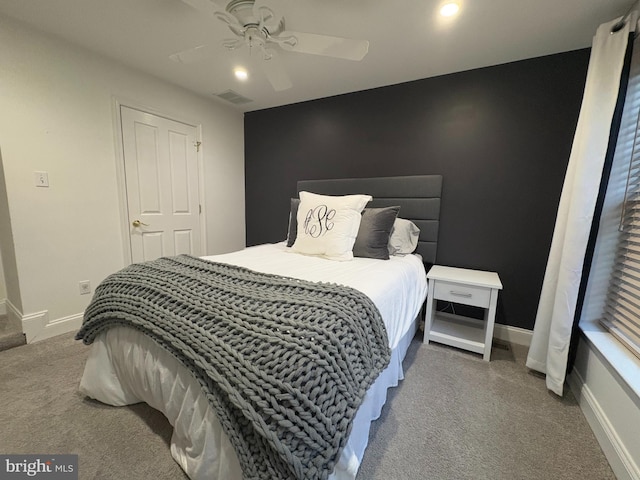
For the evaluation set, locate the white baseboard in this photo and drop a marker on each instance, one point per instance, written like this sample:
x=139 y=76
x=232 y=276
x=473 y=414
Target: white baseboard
x=622 y=463
x=36 y=326
x=507 y=333
x=3 y=306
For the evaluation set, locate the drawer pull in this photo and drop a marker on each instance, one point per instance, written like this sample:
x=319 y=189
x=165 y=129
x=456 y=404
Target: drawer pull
x=460 y=294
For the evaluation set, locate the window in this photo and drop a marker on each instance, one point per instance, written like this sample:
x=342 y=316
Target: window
x=622 y=305
x=613 y=293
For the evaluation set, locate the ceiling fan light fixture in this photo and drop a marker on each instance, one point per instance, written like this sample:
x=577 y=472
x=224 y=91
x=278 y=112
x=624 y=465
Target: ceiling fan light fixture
x=449 y=9
x=241 y=73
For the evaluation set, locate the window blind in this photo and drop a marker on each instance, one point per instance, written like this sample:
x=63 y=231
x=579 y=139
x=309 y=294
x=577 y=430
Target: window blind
x=622 y=305
x=621 y=314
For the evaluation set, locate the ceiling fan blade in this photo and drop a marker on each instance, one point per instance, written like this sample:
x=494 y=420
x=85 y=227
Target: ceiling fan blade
x=231 y=21
x=192 y=55
x=338 y=47
x=275 y=72
x=233 y=43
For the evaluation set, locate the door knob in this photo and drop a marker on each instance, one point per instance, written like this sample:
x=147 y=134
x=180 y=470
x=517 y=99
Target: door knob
x=137 y=223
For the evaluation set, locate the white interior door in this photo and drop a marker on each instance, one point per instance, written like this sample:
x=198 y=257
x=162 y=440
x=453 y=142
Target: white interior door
x=161 y=175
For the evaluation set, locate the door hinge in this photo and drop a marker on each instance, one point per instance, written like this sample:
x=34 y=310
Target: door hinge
x=197 y=145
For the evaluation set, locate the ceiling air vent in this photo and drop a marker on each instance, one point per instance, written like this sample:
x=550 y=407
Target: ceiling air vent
x=233 y=97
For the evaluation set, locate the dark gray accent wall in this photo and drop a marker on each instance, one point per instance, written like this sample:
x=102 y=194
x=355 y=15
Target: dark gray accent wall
x=500 y=137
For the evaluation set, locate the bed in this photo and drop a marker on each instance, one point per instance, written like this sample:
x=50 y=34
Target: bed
x=126 y=366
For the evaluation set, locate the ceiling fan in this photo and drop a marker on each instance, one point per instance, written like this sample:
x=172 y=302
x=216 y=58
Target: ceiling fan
x=257 y=27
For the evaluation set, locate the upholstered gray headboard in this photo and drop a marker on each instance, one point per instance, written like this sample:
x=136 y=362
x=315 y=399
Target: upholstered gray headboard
x=418 y=197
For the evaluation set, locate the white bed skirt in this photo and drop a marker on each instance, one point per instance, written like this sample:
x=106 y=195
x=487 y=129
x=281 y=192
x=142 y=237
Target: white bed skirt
x=199 y=444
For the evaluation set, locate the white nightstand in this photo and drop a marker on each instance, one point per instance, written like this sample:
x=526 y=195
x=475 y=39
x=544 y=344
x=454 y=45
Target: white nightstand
x=466 y=287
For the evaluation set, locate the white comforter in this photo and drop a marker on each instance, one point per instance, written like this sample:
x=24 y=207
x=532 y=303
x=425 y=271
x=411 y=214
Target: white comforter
x=126 y=367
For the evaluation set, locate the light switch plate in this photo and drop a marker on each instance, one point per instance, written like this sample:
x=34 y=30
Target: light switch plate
x=41 y=179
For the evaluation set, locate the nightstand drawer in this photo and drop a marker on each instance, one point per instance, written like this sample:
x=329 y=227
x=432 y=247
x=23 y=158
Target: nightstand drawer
x=465 y=294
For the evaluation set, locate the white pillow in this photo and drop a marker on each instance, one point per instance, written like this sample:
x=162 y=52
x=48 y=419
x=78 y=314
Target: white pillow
x=404 y=237
x=328 y=225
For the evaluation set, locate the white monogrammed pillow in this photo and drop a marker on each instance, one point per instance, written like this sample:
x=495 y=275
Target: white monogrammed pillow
x=328 y=225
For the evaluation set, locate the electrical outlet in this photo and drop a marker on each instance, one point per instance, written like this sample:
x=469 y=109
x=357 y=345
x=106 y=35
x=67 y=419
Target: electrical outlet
x=85 y=287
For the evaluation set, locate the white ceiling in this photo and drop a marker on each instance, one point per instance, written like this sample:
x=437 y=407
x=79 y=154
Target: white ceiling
x=408 y=39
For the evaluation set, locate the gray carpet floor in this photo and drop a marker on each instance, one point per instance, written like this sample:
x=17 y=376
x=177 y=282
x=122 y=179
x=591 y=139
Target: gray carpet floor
x=453 y=417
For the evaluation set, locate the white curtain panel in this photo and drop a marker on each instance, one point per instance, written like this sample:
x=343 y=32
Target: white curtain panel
x=554 y=320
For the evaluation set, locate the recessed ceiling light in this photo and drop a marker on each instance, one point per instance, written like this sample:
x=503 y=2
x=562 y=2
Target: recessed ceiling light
x=241 y=73
x=449 y=9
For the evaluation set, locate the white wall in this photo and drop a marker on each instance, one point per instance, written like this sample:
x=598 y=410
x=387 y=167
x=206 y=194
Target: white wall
x=3 y=288
x=57 y=115
x=605 y=380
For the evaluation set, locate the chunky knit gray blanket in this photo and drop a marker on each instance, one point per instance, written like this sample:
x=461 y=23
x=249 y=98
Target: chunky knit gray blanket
x=285 y=363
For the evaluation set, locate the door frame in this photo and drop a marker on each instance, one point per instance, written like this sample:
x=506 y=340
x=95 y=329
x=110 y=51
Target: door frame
x=121 y=178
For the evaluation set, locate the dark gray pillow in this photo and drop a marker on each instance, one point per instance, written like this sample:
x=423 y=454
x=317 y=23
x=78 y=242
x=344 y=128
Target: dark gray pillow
x=373 y=236
x=293 y=222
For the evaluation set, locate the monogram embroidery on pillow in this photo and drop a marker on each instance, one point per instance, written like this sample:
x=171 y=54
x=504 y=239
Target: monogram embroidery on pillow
x=319 y=221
